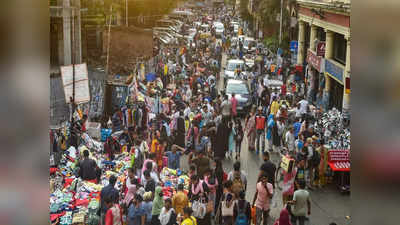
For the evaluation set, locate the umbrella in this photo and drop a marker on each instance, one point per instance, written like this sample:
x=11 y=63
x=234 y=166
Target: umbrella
x=150 y=77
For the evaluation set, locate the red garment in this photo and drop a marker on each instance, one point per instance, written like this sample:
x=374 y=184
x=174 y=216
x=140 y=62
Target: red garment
x=260 y=122
x=293 y=88
x=283 y=218
x=234 y=105
x=283 y=89
x=67 y=182
x=84 y=202
x=111 y=218
x=55 y=216
x=53 y=170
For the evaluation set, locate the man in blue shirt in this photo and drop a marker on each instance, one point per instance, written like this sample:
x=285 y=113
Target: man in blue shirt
x=174 y=157
x=296 y=127
x=108 y=192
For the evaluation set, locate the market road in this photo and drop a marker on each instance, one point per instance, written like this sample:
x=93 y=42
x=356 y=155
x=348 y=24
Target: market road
x=327 y=204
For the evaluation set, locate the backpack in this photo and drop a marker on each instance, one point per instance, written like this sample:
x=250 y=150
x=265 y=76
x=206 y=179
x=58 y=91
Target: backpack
x=242 y=219
x=237 y=185
x=316 y=158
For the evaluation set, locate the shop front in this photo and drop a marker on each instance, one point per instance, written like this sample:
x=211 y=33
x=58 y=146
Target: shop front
x=335 y=71
x=315 y=69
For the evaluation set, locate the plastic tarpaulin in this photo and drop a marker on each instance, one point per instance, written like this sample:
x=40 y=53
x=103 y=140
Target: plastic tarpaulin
x=150 y=77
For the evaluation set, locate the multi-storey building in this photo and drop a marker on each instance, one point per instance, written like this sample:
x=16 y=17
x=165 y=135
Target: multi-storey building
x=324 y=49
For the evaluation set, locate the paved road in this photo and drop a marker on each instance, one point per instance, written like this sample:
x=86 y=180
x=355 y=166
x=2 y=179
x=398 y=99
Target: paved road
x=327 y=206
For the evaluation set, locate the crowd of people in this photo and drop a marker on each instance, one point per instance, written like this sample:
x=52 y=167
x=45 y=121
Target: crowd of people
x=192 y=117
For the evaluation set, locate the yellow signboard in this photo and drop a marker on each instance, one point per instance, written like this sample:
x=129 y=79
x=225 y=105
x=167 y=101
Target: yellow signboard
x=285 y=163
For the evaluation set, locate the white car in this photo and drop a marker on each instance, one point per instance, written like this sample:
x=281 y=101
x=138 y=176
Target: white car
x=235 y=28
x=219 y=28
x=231 y=66
x=249 y=44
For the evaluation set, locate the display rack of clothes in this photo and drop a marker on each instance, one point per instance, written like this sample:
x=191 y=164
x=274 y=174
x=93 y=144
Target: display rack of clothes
x=134 y=115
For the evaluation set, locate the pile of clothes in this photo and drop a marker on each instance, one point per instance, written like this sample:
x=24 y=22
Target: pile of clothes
x=74 y=201
x=171 y=178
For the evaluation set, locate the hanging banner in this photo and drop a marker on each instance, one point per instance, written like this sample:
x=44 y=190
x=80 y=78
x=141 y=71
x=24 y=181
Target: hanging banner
x=314 y=60
x=82 y=93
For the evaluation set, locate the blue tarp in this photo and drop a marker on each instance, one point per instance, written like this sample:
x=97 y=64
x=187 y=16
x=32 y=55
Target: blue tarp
x=150 y=77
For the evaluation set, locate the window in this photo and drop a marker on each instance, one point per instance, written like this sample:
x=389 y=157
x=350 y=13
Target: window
x=339 y=48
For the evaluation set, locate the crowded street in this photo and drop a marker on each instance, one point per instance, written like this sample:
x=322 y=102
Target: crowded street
x=215 y=127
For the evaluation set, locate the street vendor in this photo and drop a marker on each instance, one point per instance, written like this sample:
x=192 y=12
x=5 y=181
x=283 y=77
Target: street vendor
x=88 y=169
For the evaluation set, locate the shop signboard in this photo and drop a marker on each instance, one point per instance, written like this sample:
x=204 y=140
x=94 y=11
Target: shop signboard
x=321 y=48
x=82 y=94
x=293 y=46
x=334 y=70
x=314 y=60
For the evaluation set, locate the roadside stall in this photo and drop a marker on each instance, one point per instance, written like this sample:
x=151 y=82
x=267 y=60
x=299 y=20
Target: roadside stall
x=339 y=164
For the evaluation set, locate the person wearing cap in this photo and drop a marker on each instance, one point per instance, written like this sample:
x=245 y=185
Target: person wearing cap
x=260 y=120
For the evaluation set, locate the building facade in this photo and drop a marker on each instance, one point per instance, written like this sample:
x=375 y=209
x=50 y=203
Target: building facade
x=324 y=50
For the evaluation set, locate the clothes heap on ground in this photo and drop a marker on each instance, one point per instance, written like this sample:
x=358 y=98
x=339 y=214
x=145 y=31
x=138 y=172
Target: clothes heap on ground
x=133 y=174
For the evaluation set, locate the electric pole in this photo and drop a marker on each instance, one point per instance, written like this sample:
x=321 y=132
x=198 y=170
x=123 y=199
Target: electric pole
x=280 y=24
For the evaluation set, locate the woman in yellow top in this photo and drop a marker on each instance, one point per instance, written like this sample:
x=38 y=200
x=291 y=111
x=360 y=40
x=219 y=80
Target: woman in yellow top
x=188 y=219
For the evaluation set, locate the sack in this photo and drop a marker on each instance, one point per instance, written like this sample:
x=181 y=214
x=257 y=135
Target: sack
x=242 y=219
x=199 y=209
x=237 y=185
x=226 y=209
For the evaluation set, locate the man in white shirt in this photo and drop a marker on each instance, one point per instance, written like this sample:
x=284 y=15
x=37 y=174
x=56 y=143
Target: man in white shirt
x=303 y=106
x=301 y=204
x=290 y=139
x=187 y=111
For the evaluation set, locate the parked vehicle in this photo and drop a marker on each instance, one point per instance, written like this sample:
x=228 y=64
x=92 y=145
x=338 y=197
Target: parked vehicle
x=249 y=44
x=242 y=94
